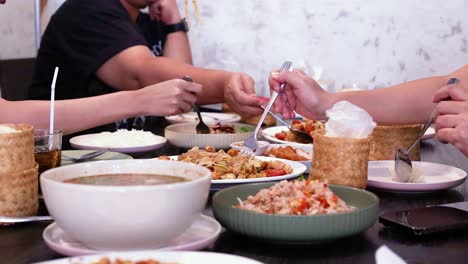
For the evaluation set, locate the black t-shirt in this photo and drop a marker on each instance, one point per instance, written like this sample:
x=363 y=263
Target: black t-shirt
x=81 y=36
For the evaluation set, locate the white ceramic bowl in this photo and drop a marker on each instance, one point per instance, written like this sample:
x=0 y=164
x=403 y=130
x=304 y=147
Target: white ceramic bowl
x=185 y=136
x=262 y=146
x=125 y=217
x=306 y=147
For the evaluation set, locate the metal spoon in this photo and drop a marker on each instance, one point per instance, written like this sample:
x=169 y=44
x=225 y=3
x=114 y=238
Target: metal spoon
x=403 y=163
x=86 y=156
x=301 y=136
x=25 y=219
x=201 y=127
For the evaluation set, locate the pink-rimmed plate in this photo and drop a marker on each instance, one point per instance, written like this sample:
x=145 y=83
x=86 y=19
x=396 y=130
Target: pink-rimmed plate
x=202 y=233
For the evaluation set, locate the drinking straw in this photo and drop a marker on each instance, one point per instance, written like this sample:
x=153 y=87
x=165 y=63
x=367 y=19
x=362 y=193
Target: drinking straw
x=52 y=105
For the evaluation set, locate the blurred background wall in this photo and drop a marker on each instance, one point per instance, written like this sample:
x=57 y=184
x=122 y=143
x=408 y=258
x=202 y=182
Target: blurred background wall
x=370 y=43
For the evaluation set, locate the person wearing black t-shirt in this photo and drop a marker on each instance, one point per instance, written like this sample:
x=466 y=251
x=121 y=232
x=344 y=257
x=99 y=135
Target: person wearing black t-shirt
x=109 y=45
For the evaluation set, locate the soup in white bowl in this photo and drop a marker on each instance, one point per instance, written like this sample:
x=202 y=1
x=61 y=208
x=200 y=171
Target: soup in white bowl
x=131 y=216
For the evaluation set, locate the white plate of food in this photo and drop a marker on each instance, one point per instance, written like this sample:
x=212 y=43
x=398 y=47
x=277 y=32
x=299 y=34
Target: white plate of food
x=430 y=133
x=276 y=134
x=434 y=177
x=281 y=134
x=300 y=153
x=291 y=169
x=185 y=136
x=125 y=141
x=151 y=256
x=209 y=118
x=202 y=233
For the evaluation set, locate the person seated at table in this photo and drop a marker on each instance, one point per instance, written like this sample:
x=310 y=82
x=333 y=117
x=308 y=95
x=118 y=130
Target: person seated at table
x=165 y=98
x=410 y=102
x=110 y=45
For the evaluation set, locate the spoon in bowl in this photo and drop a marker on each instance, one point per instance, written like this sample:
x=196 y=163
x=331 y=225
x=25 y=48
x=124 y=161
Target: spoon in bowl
x=403 y=163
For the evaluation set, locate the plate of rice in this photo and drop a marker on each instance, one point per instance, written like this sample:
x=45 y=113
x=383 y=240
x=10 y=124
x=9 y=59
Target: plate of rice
x=298 y=211
x=126 y=141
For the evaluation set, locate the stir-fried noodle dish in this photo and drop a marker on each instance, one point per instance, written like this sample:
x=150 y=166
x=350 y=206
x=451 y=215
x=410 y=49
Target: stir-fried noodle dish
x=233 y=165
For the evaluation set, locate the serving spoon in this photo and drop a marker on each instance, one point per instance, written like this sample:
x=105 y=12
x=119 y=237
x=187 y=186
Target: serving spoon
x=403 y=163
x=85 y=157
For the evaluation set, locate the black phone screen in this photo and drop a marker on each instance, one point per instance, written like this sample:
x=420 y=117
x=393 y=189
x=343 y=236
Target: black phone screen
x=428 y=219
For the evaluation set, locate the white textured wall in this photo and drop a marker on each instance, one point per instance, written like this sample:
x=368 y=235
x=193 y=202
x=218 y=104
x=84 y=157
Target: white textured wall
x=354 y=41
x=17 y=29
x=371 y=42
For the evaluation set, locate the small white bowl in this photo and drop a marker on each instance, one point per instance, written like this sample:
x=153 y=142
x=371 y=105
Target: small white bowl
x=309 y=148
x=262 y=146
x=185 y=136
x=125 y=217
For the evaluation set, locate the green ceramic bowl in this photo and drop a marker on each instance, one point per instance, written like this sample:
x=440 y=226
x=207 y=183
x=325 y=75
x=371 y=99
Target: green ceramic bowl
x=296 y=228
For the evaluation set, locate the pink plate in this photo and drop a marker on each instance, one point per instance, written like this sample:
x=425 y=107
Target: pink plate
x=202 y=233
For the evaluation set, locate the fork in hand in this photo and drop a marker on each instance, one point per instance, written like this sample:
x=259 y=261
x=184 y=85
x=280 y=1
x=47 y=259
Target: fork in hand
x=251 y=143
x=201 y=127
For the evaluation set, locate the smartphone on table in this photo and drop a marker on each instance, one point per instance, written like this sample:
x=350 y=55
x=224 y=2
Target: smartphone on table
x=428 y=220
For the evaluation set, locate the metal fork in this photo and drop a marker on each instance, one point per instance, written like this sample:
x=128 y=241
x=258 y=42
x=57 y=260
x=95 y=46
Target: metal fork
x=403 y=163
x=251 y=143
x=201 y=127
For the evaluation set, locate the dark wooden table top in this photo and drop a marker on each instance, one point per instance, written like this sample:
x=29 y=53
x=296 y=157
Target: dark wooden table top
x=24 y=244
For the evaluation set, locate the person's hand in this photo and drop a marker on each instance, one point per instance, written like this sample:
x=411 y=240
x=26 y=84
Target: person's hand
x=452 y=116
x=239 y=94
x=169 y=98
x=301 y=94
x=165 y=11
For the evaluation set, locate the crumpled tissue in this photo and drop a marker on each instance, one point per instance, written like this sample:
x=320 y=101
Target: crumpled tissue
x=347 y=120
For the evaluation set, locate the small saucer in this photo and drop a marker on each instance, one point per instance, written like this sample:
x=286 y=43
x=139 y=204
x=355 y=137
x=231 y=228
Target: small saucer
x=202 y=233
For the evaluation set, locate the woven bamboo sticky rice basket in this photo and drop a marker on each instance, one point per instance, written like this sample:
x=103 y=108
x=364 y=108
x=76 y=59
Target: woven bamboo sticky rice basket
x=17 y=149
x=18 y=172
x=341 y=161
x=388 y=138
x=18 y=193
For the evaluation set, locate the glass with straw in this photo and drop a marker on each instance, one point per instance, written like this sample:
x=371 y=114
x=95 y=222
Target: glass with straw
x=48 y=142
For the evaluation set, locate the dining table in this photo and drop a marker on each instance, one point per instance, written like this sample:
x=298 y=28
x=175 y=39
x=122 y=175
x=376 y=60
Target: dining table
x=23 y=243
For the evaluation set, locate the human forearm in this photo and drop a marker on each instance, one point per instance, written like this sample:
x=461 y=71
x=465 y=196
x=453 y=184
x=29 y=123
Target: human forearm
x=162 y=69
x=177 y=47
x=409 y=102
x=72 y=115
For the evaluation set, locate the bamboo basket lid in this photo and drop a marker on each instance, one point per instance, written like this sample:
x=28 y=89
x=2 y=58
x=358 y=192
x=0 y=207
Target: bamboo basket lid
x=17 y=149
